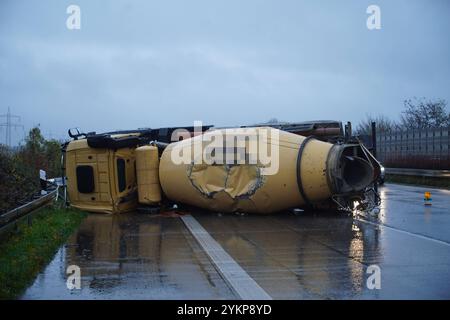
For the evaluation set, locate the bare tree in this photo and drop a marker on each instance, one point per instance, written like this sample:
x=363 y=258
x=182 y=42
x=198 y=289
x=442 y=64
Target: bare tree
x=383 y=124
x=423 y=113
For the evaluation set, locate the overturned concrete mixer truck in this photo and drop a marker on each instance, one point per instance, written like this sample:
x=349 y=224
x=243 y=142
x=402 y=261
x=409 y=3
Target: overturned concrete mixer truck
x=254 y=169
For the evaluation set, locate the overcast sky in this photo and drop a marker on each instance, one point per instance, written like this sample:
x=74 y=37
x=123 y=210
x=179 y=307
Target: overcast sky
x=166 y=63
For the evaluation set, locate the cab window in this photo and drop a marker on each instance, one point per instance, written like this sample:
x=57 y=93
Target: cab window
x=85 y=179
x=121 y=177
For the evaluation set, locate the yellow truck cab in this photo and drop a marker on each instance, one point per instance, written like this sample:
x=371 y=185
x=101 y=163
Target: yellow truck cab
x=101 y=179
x=101 y=168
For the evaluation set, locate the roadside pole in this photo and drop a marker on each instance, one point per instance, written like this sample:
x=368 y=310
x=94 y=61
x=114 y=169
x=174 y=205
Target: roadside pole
x=374 y=149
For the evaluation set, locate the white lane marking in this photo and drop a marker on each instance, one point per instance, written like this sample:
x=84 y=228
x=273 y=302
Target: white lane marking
x=244 y=286
x=404 y=231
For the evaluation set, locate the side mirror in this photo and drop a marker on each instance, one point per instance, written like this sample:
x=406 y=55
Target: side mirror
x=74 y=133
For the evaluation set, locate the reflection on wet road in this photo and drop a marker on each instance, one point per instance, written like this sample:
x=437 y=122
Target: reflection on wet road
x=403 y=207
x=132 y=256
x=291 y=256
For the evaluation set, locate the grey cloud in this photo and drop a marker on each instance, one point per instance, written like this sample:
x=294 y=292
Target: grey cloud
x=224 y=62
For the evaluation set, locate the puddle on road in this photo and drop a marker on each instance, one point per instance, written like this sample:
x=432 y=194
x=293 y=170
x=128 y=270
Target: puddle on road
x=303 y=256
x=131 y=256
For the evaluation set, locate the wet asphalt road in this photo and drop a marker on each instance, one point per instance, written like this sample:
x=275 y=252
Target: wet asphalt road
x=290 y=256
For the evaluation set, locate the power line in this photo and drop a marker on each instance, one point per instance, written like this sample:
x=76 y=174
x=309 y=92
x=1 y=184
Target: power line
x=9 y=124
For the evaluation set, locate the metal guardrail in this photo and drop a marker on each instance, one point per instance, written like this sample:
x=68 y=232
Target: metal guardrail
x=9 y=218
x=419 y=172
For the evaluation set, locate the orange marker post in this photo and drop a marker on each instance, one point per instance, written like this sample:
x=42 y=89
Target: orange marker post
x=427 y=198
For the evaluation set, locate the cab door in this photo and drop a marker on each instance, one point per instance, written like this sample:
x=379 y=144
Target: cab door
x=125 y=185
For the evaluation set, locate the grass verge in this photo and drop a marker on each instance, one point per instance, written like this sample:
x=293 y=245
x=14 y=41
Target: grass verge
x=30 y=248
x=416 y=180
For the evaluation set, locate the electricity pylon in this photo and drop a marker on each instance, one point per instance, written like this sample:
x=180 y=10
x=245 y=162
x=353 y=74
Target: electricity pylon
x=9 y=124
